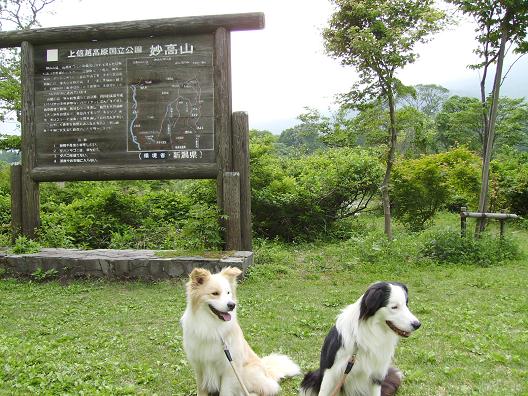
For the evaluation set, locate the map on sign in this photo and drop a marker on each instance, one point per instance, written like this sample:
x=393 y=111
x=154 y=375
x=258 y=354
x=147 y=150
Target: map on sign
x=165 y=127
x=169 y=111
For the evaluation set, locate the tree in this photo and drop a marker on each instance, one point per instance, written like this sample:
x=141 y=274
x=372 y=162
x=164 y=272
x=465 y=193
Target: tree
x=305 y=138
x=15 y=15
x=21 y=14
x=10 y=143
x=512 y=124
x=460 y=123
x=377 y=37
x=417 y=134
x=499 y=23
x=427 y=98
x=366 y=128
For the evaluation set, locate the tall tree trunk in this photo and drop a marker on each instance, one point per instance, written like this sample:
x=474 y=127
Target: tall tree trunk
x=483 y=198
x=484 y=101
x=385 y=198
x=481 y=223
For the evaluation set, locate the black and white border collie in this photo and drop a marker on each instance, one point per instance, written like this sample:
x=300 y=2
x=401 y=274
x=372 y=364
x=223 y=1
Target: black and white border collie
x=369 y=329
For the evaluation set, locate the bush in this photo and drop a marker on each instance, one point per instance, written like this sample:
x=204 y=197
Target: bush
x=449 y=247
x=421 y=187
x=200 y=230
x=53 y=235
x=5 y=213
x=299 y=198
x=91 y=219
x=24 y=245
x=510 y=183
x=139 y=214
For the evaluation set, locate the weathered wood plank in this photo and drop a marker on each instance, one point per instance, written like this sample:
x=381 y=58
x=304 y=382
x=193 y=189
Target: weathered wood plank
x=16 y=200
x=232 y=210
x=497 y=216
x=240 y=130
x=130 y=29
x=30 y=189
x=222 y=103
x=125 y=172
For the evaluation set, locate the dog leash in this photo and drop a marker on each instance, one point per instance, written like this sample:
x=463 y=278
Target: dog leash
x=348 y=369
x=230 y=359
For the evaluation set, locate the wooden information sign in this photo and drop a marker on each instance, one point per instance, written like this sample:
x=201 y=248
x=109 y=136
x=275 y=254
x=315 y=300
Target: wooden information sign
x=133 y=100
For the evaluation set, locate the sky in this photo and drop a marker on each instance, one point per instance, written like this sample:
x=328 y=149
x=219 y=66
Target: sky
x=280 y=70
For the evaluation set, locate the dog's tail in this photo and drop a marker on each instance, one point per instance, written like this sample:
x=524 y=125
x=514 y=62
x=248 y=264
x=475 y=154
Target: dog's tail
x=392 y=382
x=311 y=384
x=280 y=366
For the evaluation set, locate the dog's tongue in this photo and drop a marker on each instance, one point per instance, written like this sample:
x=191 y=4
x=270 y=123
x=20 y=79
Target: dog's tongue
x=226 y=316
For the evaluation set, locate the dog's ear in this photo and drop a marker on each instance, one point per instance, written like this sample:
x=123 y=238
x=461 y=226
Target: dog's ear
x=375 y=297
x=198 y=277
x=231 y=273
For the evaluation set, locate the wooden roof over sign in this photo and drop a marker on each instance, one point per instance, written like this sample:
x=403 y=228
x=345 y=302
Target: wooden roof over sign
x=130 y=29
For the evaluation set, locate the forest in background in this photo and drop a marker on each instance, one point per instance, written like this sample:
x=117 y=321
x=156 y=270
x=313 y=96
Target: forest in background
x=309 y=183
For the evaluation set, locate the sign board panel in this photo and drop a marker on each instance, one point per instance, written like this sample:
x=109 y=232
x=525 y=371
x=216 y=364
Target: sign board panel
x=129 y=102
x=132 y=100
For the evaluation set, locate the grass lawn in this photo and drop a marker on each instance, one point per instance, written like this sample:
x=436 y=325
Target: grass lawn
x=124 y=338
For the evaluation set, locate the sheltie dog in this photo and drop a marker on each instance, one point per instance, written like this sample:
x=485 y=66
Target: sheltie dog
x=209 y=322
x=369 y=330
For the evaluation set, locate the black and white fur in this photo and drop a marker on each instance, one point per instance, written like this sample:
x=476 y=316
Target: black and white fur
x=370 y=328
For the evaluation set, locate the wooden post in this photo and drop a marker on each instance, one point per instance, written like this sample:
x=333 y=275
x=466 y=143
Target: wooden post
x=232 y=210
x=30 y=189
x=463 y=225
x=241 y=165
x=16 y=200
x=222 y=108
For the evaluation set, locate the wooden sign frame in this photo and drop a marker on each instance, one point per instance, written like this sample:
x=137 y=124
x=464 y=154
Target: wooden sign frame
x=228 y=162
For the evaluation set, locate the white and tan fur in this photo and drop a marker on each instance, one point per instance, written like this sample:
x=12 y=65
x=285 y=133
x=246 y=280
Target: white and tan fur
x=203 y=332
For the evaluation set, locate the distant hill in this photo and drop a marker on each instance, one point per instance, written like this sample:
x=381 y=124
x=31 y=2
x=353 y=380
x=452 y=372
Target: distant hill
x=515 y=85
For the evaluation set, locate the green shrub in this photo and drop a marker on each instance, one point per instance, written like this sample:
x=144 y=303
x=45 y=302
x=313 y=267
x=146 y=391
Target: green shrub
x=510 y=183
x=42 y=276
x=200 y=231
x=54 y=235
x=5 y=198
x=137 y=214
x=449 y=247
x=5 y=213
x=24 y=245
x=5 y=178
x=91 y=219
x=421 y=187
x=300 y=198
